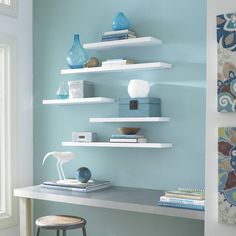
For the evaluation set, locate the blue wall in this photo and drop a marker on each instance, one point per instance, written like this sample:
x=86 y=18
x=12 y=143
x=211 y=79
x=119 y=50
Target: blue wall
x=181 y=25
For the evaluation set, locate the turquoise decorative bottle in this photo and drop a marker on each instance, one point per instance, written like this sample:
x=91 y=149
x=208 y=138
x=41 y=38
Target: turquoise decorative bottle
x=77 y=57
x=120 y=22
x=62 y=92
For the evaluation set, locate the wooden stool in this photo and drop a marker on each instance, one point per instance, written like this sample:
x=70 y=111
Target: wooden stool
x=60 y=222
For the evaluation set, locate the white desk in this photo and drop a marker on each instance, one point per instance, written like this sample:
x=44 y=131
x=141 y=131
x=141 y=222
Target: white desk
x=121 y=198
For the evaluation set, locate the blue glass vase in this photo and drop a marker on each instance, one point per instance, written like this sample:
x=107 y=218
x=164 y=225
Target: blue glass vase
x=62 y=92
x=77 y=57
x=120 y=22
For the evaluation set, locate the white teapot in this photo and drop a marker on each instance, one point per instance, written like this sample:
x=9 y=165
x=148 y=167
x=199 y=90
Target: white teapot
x=138 y=88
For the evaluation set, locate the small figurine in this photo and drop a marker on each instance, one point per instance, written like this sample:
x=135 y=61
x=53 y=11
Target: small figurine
x=92 y=62
x=62 y=157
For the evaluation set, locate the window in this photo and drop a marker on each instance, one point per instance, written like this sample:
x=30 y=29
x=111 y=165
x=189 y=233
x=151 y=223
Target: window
x=7 y=130
x=8 y=7
x=6 y=2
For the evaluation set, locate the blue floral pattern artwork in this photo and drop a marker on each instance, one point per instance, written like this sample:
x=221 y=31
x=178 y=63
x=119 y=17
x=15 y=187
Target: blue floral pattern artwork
x=226 y=78
x=227 y=175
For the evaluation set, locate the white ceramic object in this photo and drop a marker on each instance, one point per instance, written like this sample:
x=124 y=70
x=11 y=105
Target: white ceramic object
x=62 y=157
x=138 y=88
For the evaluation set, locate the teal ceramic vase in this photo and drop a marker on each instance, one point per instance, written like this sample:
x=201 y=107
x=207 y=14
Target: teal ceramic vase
x=77 y=57
x=120 y=22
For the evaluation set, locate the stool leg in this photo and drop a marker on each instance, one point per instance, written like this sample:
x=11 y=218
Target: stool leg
x=37 y=231
x=64 y=232
x=58 y=232
x=84 y=231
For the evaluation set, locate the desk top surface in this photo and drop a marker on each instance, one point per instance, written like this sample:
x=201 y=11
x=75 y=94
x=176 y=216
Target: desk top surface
x=120 y=198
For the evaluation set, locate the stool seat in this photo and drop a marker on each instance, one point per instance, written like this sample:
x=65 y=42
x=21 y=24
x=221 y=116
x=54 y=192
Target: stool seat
x=60 y=223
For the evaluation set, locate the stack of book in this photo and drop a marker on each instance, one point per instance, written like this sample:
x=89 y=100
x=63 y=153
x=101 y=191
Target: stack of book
x=127 y=138
x=75 y=185
x=193 y=199
x=118 y=35
x=117 y=62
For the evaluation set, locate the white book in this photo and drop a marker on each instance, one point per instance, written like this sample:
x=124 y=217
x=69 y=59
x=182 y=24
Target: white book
x=182 y=200
x=126 y=136
x=116 y=64
x=74 y=185
x=128 y=140
x=125 y=31
x=120 y=62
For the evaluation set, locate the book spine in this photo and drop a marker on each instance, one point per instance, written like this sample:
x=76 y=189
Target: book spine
x=180 y=205
x=114 y=38
x=117 y=35
x=191 y=190
x=64 y=188
x=119 y=32
x=194 y=197
x=118 y=62
x=117 y=59
x=126 y=136
x=136 y=140
x=182 y=200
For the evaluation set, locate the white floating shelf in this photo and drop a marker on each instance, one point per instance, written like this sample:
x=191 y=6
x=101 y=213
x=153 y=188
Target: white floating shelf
x=142 y=41
x=129 y=67
x=124 y=145
x=129 y=119
x=92 y=100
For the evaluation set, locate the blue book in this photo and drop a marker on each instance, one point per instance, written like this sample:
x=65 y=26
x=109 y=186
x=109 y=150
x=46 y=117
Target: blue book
x=180 y=205
x=114 y=38
x=117 y=35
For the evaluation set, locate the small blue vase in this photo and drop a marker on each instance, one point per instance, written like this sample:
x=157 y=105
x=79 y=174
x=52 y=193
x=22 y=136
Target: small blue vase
x=83 y=174
x=120 y=22
x=62 y=92
x=77 y=57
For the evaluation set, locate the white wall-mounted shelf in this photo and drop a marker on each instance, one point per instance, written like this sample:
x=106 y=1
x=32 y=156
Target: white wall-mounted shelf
x=92 y=100
x=121 y=145
x=128 y=119
x=119 y=198
x=129 y=67
x=142 y=41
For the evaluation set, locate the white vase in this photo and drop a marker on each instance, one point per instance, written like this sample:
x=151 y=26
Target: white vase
x=138 y=88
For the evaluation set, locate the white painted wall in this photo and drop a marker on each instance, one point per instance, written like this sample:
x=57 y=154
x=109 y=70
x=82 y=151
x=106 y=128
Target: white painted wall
x=214 y=120
x=21 y=28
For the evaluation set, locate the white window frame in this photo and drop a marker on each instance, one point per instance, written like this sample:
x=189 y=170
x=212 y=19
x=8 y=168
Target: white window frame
x=9 y=7
x=8 y=213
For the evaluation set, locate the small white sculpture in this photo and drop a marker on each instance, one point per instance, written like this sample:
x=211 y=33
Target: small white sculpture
x=61 y=157
x=138 y=88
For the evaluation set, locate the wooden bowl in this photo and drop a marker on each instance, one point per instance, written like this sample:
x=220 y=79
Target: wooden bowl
x=128 y=130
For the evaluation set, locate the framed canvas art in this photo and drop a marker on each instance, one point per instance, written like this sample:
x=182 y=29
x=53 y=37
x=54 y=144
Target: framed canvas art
x=226 y=55
x=227 y=175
